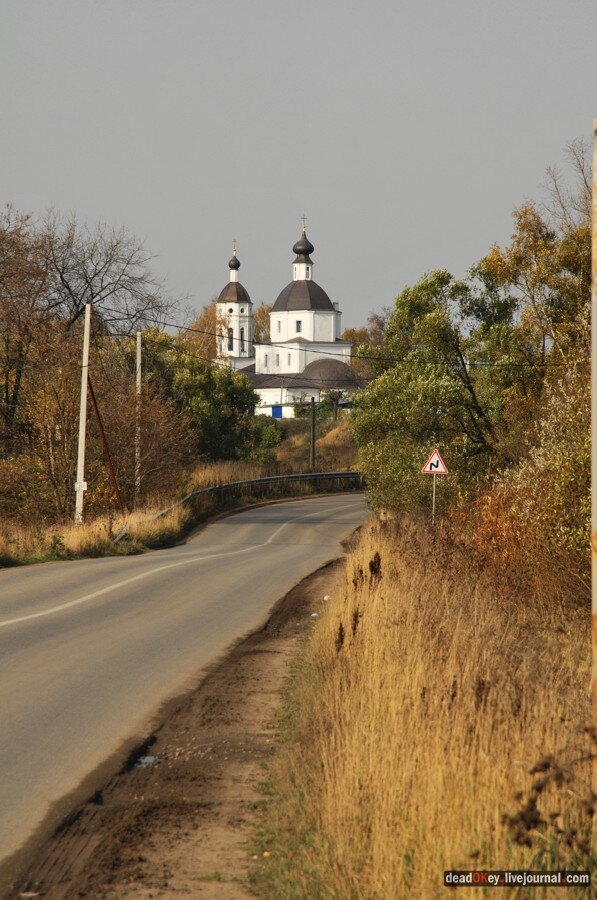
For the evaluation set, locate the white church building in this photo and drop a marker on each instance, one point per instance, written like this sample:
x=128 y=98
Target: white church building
x=304 y=355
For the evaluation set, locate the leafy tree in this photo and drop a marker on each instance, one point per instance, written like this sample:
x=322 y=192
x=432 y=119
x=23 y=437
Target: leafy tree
x=464 y=363
x=218 y=402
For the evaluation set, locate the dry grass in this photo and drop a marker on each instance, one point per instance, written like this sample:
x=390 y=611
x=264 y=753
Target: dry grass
x=20 y=544
x=422 y=703
x=335 y=450
x=210 y=474
x=144 y=529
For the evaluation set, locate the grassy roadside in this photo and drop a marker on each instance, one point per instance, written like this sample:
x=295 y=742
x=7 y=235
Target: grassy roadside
x=21 y=545
x=432 y=721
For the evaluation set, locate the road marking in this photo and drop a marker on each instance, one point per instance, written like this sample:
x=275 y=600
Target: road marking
x=186 y=562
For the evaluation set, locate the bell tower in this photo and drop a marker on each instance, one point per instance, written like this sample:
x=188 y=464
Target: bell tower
x=235 y=320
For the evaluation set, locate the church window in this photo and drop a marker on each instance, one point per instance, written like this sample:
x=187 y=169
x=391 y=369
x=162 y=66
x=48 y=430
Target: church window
x=242 y=309
x=230 y=310
x=299 y=326
x=277 y=359
x=307 y=271
x=289 y=359
x=279 y=324
x=265 y=360
x=230 y=339
x=242 y=340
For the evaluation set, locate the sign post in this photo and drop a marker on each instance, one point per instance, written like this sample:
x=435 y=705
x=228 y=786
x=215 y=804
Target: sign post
x=434 y=466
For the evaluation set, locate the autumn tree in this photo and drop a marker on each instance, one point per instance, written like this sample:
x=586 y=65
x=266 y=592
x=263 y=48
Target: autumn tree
x=23 y=319
x=201 y=335
x=261 y=322
x=465 y=363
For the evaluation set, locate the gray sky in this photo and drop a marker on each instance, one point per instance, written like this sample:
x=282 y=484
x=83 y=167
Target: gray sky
x=406 y=130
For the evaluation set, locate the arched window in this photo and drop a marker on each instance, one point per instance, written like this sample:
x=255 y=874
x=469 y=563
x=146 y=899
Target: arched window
x=242 y=340
x=230 y=339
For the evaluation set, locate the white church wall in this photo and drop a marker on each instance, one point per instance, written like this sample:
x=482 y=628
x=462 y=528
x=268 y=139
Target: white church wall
x=235 y=338
x=280 y=402
x=324 y=326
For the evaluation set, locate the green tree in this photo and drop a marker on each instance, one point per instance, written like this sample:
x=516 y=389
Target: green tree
x=464 y=363
x=218 y=402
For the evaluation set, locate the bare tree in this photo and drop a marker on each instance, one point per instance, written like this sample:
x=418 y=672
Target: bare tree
x=104 y=266
x=568 y=202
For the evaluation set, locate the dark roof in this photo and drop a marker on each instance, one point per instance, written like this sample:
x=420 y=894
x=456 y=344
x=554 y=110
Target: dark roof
x=234 y=263
x=234 y=292
x=331 y=373
x=302 y=295
x=322 y=373
x=264 y=380
x=303 y=246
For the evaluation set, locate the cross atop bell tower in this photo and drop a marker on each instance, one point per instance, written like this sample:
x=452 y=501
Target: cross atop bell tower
x=302 y=267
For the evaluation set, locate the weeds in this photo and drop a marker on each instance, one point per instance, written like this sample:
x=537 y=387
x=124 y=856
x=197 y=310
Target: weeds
x=435 y=722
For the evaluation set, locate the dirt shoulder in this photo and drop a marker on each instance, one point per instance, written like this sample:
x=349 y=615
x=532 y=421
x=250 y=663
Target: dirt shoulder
x=183 y=823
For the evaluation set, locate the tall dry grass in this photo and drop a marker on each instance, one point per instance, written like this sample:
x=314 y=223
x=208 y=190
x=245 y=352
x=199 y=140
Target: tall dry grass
x=20 y=544
x=210 y=474
x=434 y=723
x=335 y=449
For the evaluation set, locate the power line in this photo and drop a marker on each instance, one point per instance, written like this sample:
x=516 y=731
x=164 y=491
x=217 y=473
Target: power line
x=307 y=381
x=371 y=358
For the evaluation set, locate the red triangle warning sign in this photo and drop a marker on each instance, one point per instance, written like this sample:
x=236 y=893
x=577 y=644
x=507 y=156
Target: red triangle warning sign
x=434 y=465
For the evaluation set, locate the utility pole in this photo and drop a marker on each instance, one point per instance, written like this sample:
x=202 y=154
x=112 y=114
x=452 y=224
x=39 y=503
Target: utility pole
x=594 y=449
x=312 y=459
x=80 y=484
x=138 y=422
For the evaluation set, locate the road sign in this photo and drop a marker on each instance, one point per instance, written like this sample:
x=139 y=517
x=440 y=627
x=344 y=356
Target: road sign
x=434 y=465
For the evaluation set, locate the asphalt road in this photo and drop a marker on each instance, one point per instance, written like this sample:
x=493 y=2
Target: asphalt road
x=89 y=650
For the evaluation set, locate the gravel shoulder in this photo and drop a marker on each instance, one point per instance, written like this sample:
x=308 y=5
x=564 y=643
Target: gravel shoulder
x=183 y=823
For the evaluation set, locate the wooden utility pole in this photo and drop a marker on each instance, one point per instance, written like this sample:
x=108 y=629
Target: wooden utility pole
x=138 y=422
x=594 y=450
x=81 y=484
x=312 y=458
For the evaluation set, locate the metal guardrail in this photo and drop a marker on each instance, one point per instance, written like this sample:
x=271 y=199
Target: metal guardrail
x=228 y=487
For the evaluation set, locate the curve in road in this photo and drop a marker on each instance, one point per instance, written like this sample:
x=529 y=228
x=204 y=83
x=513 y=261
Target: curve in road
x=90 y=650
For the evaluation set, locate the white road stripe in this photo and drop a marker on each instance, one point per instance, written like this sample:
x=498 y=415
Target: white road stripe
x=186 y=562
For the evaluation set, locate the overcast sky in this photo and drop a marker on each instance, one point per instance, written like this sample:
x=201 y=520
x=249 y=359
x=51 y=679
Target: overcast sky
x=406 y=130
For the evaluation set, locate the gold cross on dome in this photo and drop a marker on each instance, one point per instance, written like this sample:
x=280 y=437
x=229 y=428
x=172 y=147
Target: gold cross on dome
x=234 y=247
x=304 y=223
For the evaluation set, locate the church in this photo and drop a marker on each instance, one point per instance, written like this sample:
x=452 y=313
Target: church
x=304 y=356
